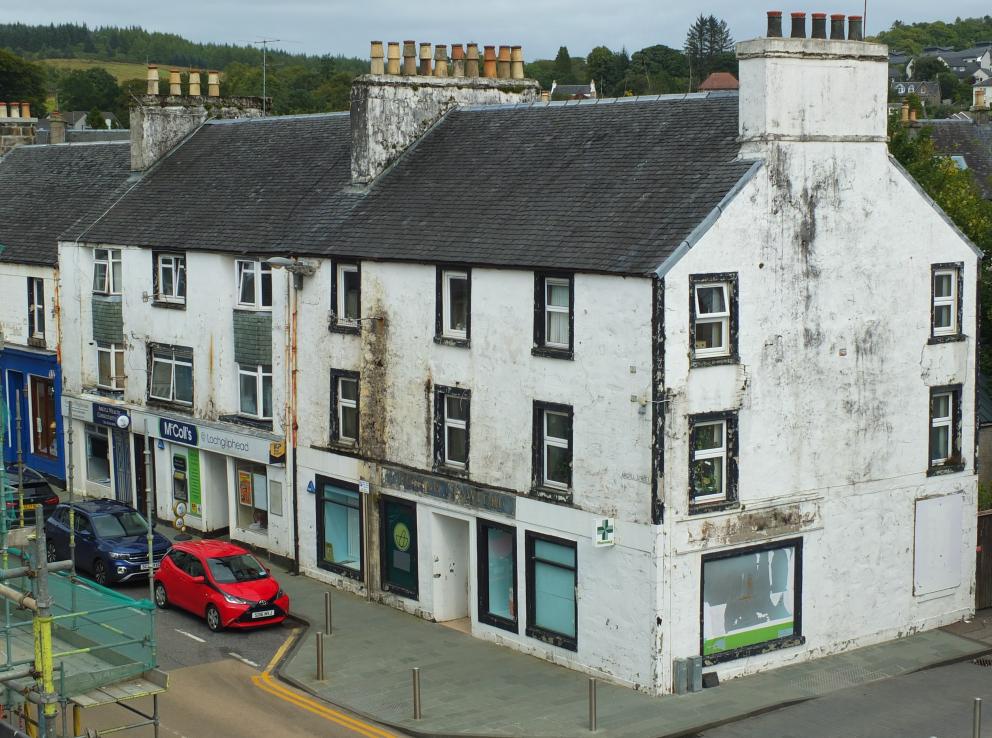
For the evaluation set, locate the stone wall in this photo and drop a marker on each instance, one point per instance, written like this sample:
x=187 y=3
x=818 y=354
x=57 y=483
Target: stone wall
x=16 y=132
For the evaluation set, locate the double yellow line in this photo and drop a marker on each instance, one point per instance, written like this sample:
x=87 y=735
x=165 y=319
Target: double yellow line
x=265 y=682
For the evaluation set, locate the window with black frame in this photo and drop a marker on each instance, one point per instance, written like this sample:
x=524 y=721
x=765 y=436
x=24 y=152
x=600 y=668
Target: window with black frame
x=497 y=557
x=552 y=578
x=339 y=522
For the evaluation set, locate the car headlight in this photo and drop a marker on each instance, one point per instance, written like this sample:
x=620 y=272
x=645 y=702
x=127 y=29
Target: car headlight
x=235 y=600
x=280 y=594
x=115 y=555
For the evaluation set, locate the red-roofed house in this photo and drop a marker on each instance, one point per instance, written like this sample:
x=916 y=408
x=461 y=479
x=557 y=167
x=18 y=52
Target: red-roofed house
x=719 y=81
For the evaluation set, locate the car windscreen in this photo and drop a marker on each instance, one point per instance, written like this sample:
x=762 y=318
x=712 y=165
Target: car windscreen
x=118 y=525
x=239 y=568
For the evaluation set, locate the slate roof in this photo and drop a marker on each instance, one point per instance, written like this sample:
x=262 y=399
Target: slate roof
x=971 y=140
x=46 y=189
x=237 y=186
x=567 y=92
x=612 y=186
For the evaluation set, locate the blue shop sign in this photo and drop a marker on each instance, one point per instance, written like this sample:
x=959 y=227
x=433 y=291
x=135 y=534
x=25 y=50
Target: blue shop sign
x=178 y=431
x=109 y=414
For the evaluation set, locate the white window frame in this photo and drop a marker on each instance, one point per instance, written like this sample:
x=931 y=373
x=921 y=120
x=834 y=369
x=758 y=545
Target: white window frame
x=36 y=306
x=258 y=269
x=447 y=277
x=722 y=317
x=259 y=372
x=719 y=452
x=342 y=320
x=549 y=441
x=173 y=362
x=457 y=424
x=943 y=422
x=550 y=282
x=176 y=263
x=114 y=350
x=109 y=258
x=342 y=404
x=950 y=301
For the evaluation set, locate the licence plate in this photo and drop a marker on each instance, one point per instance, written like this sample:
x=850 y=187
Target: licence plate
x=144 y=567
x=263 y=614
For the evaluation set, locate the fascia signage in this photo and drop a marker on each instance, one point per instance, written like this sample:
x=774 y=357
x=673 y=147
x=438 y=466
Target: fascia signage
x=178 y=431
x=110 y=415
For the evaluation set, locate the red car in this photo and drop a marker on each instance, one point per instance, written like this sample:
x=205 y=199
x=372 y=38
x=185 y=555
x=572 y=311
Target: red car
x=221 y=582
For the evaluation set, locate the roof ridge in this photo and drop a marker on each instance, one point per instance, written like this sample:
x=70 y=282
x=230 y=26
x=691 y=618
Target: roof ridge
x=670 y=97
x=275 y=118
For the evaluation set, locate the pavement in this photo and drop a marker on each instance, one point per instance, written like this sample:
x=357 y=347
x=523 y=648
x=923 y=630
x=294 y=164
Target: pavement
x=474 y=688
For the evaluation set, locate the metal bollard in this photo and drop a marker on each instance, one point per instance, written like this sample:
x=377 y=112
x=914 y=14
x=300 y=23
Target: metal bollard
x=416 y=693
x=320 y=656
x=976 y=729
x=592 y=705
x=327 y=613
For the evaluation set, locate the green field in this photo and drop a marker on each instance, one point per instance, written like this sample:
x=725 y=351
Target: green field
x=121 y=70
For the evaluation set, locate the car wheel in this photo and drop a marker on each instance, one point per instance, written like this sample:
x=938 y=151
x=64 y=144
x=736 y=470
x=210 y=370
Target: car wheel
x=100 y=573
x=161 y=599
x=50 y=550
x=213 y=619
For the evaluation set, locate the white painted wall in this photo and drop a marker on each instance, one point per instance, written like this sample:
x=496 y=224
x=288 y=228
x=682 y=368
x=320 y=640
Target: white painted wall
x=14 y=303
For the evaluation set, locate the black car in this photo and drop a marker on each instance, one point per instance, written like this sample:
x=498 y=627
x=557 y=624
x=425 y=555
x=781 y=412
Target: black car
x=37 y=491
x=111 y=540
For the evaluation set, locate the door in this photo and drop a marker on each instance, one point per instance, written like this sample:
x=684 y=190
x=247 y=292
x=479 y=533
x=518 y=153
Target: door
x=983 y=565
x=449 y=539
x=399 y=547
x=43 y=417
x=141 y=480
x=85 y=542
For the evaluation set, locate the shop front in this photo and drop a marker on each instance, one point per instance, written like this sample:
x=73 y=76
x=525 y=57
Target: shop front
x=31 y=386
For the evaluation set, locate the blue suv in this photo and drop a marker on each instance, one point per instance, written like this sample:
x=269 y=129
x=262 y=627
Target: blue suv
x=111 y=540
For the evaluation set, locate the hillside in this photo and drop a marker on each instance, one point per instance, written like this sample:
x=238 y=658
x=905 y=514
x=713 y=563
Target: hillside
x=962 y=33
x=121 y=71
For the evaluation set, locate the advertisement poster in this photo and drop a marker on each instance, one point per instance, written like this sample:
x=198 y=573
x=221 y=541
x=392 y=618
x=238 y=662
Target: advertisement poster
x=244 y=488
x=193 y=457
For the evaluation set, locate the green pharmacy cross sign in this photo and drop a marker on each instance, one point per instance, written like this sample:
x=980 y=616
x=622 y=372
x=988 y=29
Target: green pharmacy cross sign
x=604 y=529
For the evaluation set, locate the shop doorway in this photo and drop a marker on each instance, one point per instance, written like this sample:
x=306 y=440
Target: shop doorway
x=141 y=480
x=450 y=542
x=43 y=417
x=399 y=547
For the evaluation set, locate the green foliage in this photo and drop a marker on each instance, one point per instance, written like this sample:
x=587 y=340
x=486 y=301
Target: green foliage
x=95 y=119
x=86 y=89
x=563 y=72
x=22 y=81
x=956 y=192
x=984 y=497
x=709 y=47
x=960 y=34
x=928 y=67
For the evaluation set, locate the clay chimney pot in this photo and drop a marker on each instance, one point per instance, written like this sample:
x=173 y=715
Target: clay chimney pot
x=393 y=58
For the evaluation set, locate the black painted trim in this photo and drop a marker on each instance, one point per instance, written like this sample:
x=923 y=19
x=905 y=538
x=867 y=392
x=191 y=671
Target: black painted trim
x=956 y=461
x=439 y=336
x=540 y=298
x=321 y=480
x=335 y=431
x=333 y=324
x=657 y=408
x=538 y=488
x=533 y=631
x=413 y=594
x=733 y=452
x=796 y=639
x=482 y=574
x=440 y=438
x=734 y=289
x=958 y=267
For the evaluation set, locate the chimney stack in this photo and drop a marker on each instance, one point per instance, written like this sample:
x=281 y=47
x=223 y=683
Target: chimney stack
x=440 y=60
x=774 y=24
x=472 y=61
x=213 y=84
x=855 y=30
x=194 y=84
x=912 y=116
x=175 y=84
x=152 y=78
x=425 y=60
x=904 y=112
x=819 y=26
x=457 y=60
x=798 y=25
x=56 y=130
x=378 y=65
x=503 y=63
x=516 y=62
x=410 y=58
x=837 y=27
x=393 y=58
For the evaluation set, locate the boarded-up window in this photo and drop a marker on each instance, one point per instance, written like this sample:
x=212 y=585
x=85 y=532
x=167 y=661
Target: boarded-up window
x=937 y=550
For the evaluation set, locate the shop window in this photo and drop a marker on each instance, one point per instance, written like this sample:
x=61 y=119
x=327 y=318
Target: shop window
x=497 y=575
x=43 y=413
x=339 y=527
x=552 y=578
x=398 y=536
x=97 y=456
x=751 y=601
x=253 y=497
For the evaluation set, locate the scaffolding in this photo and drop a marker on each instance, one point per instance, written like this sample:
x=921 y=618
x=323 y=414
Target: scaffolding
x=65 y=643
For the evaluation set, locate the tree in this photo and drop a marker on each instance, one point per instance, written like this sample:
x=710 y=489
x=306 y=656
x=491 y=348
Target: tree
x=22 y=81
x=709 y=46
x=95 y=119
x=563 y=73
x=85 y=89
x=927 y=68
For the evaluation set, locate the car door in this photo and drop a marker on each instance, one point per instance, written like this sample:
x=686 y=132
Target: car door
x=57 y=532
x=86 y=544
x=177 y=581
x=199 y=591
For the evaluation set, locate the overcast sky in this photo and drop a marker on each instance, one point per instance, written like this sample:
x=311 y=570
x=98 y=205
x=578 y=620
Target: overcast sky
x=541 y=26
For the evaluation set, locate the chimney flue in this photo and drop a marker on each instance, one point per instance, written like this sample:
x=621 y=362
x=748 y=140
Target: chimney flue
x=489 y=61
x=904 y=112
x=855 y=29
x=503 y=63
x=3 y=110
x=798 y=25
x=819 y=29
x=409 y=58
x=213 y=84
x=425 y=60
x=837 y=27
x=516 y=62
x=457 y=60
x=56 y=131
x=472 y=61
x=25 y=110
x=152 y=78
x=15 y=110
x=393 y=58
x=377 y=66
x=774 y=24
x=441 y=60
x=175 y=85
x=912 y=116
x=194 y=84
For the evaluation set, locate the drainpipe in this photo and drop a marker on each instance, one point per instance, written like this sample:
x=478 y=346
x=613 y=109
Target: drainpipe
x=293 y=418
